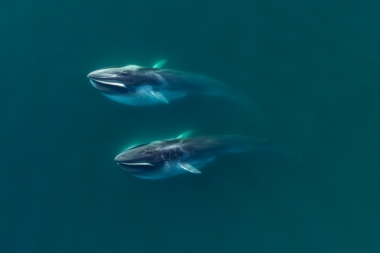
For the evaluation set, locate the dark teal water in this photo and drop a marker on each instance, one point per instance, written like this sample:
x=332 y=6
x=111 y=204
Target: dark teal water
x=311 y=69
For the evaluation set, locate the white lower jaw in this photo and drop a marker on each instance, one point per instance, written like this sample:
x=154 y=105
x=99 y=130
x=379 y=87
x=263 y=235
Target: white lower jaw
x=135 y=99
x=142 y=96
x=94 y=83
x=170 y=170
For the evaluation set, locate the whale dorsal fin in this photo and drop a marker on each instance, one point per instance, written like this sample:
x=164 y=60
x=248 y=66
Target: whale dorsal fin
x=189 y=168
x=159 y=64
x=185 y=134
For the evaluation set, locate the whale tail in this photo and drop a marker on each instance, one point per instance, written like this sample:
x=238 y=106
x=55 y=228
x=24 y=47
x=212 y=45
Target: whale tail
x=244 y=144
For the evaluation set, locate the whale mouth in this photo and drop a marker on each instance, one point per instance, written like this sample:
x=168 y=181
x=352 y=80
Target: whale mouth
x=136 y=167
x=102 y=82
x=107 y=86
x=136 y=164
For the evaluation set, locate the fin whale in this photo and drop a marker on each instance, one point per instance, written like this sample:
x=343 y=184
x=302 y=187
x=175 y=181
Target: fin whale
x=143 y=86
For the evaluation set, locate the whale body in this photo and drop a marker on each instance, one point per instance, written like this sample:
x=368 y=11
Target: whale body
x=143 y=86
x=166 y=158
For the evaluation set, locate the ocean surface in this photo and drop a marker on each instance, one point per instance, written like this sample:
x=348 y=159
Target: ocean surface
x=310 y=68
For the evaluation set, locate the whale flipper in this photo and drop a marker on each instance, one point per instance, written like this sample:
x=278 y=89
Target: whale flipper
x=160 y=96
x=189 y=168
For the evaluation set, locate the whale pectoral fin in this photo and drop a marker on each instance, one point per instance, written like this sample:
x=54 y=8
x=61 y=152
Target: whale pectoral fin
x=185 y=134
x=159 y=64
x=189 y=168
x=159 y=96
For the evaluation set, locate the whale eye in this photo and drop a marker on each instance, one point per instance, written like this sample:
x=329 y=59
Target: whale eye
x=129 y=81
x=165 y=156
x=178 y=153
